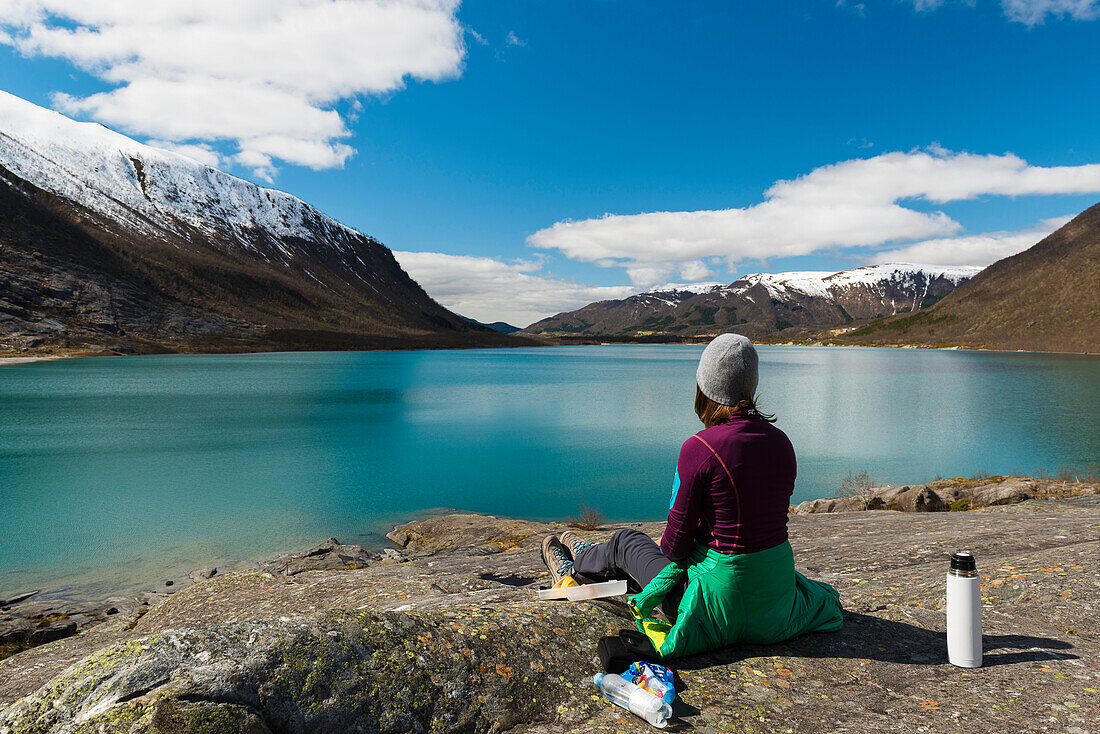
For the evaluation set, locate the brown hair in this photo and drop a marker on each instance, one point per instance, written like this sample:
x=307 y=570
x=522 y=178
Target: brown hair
x=713 y=413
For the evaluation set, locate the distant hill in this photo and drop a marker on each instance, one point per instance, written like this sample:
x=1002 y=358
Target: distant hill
x=1046 y=298
x=761 y=304
x=108 y=244
x=499 y=326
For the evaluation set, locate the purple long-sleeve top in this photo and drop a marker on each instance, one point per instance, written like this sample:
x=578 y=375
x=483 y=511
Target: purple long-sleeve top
x=732 y=489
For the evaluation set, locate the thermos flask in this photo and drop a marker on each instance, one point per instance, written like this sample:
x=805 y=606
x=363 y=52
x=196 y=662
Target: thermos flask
x=964 y=609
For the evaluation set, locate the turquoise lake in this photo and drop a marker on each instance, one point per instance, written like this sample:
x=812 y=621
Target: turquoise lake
x=119 y=471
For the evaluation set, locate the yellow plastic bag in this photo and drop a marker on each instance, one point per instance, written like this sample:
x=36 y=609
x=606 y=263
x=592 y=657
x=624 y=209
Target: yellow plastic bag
x=565 y=583
x=655 y=630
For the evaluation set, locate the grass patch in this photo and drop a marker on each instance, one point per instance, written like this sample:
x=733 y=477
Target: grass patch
x=903 y=325
x=656 y=321
x=574 y=328
x=931 y=300
x=1089 y=475
x=703 y=315
x=588 y=518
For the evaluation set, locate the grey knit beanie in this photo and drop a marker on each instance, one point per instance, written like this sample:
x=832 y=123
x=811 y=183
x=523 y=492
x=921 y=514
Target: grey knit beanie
x=728 y=370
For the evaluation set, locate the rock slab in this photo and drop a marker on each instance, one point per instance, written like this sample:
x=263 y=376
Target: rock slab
x=449 y=638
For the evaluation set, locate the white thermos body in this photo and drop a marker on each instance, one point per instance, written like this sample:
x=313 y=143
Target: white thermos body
x=964 y=612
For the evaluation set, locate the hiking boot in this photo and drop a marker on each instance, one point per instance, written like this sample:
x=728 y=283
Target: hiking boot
x=574 y=542
x=557 y=558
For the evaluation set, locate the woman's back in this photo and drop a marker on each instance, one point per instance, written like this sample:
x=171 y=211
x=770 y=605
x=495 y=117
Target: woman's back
x=733 y=489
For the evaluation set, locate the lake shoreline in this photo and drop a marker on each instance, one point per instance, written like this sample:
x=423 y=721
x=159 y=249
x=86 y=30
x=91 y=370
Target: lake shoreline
x=454 y=611
x=4 y=361
x=46 y=615
x=487 y=340
x=49 y=357
x=29 y=359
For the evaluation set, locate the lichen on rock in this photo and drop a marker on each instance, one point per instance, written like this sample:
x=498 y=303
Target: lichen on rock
x=469 y=668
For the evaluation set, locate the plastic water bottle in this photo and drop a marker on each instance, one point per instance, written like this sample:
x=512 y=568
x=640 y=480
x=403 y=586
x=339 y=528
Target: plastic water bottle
x=964 y=612
x=634 y=699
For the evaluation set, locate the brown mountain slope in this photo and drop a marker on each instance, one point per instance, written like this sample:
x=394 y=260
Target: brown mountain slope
x=1045 y=299
x=72 y=280
x=761 y=304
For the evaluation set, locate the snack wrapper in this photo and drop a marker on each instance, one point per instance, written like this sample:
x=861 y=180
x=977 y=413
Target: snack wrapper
x=657 y=679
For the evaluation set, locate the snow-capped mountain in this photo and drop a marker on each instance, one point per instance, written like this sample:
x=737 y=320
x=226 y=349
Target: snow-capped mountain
x=867 y=292
x=692 y=288
x=763 y=303
x=670 y=294
x=156 y=193
x=118 y=244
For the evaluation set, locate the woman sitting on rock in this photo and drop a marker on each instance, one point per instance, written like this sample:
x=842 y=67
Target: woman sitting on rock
x=724 y=570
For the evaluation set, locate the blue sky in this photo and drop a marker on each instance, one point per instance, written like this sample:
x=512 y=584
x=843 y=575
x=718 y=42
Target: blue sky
x=488 y=123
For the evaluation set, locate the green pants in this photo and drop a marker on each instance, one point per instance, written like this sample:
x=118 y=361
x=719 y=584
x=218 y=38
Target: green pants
x=730 y=599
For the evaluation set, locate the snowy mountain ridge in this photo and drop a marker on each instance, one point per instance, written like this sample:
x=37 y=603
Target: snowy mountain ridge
x=782 y=286
x=819 y=283
x=149 y=191
x=695 y=288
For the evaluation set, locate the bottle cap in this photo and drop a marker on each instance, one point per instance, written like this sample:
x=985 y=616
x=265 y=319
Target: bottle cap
x=963 y=563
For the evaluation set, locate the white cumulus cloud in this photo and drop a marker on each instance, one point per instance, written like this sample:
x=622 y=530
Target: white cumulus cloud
x=267 y=75
x=863 y=203
x=695 y=270
x=1032 y=12
x=204 y=154
x=488 y=289
x=977 y=249
x=923 y=5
